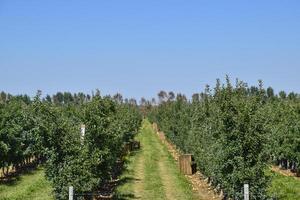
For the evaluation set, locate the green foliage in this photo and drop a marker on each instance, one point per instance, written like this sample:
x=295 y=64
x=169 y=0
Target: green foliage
x=50 y=133
x=87 y=164
x=17 y=133
x=284 y=128
x=233 y=133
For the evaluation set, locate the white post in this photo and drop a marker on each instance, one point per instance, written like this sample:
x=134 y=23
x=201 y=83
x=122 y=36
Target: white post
x=82 y=131
x=71 y=193
x=246 y=191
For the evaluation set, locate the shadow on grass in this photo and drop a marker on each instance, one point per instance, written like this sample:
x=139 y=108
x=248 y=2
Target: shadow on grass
x=15 y=177
x=127 y=179
x=125 y=197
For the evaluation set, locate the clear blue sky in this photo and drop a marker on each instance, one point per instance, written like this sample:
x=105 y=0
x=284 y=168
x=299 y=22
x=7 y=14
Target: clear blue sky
x=140 y=47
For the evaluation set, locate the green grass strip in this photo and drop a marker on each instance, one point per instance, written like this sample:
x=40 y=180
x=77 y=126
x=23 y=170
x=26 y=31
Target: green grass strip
x=32 y=185
x=284 y=187
x=152 y=172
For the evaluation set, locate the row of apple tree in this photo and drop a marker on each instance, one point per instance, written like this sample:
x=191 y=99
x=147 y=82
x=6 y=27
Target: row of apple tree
x=234 y=133
x=50 y=133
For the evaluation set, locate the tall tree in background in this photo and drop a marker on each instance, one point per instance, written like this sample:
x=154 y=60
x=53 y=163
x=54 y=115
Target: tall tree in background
x=162 y=96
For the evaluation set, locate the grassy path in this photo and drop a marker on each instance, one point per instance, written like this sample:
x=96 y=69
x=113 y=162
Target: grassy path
x=152 y=173
x=284 y=187
x=32 y=185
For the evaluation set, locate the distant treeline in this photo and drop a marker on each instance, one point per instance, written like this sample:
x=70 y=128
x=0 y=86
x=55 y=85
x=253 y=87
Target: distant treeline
x=61 y=98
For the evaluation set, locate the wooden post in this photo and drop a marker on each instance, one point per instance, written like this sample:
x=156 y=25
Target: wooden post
x=186 y=164
x=246 y=191
x=71 y=193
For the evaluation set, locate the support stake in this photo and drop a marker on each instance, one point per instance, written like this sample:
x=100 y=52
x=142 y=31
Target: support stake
x=246 y=191
x=71 y=193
